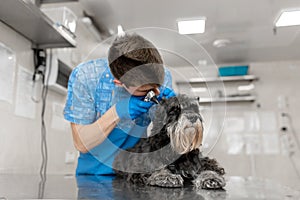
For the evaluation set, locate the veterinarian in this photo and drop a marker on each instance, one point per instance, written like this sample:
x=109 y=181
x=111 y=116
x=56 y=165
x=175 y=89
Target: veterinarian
x=105 y=102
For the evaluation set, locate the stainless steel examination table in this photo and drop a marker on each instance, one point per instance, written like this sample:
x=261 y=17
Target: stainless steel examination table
x=106 y=187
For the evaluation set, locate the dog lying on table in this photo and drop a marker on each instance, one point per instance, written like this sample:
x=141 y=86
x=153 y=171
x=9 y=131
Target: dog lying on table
x=170 y=156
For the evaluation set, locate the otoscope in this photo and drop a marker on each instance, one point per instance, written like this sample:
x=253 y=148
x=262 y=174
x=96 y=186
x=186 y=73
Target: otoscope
x=151 y=97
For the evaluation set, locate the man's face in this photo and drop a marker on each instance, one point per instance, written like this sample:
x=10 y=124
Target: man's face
x=142 y=90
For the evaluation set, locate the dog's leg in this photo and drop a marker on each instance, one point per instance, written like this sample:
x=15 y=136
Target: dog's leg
x=164 y=178
x=209 y=180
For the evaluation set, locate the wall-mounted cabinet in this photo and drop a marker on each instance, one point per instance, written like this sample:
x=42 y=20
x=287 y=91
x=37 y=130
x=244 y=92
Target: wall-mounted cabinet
x=27 y=19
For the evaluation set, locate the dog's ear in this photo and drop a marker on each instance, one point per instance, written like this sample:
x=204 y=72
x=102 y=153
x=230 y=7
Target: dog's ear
x=171 y=106
x=168 y=110
x=173 y=109
x=161 y=111
x=160 y=118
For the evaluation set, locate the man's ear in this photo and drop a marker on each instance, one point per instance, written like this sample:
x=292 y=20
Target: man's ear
x=118 y=83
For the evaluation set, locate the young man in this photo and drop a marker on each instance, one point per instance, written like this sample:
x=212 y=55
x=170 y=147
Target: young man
x=105 y=102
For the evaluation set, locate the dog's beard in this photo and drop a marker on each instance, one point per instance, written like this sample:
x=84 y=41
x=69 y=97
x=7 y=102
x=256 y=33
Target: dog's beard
x=185 y=135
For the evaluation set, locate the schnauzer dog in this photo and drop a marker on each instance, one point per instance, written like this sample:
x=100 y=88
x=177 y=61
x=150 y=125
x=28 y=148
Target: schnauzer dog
x=170 y=156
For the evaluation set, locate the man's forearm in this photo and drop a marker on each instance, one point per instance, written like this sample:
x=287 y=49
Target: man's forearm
x=87 y=137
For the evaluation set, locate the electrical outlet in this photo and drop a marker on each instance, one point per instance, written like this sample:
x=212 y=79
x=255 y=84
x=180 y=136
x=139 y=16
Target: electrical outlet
x=70 y=157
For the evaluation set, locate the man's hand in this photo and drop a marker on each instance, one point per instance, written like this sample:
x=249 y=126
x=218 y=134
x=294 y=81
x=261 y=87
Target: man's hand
x=132 y=107
x=167 y=93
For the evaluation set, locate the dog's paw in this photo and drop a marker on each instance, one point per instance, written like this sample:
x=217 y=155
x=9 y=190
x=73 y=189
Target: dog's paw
x=209 y=180
x=165 y=179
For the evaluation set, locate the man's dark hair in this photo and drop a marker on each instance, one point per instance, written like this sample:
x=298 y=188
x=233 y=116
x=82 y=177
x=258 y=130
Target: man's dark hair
x=135 y=61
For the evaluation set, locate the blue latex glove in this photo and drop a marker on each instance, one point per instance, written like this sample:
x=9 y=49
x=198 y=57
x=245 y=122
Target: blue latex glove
x=132 y=107
x=167 y=93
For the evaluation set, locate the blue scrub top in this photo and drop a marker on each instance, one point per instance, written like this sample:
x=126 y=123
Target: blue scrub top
x=91 y=92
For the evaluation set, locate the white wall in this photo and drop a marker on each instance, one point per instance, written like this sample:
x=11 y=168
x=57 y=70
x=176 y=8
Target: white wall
x=20 y=136
x=260 y=126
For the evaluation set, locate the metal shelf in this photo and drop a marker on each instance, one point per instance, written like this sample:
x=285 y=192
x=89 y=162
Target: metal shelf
x=220 y=79
x=27 y=19
x=228 y=99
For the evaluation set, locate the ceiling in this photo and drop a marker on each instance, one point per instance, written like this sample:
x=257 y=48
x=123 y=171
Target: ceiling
x=247 y=24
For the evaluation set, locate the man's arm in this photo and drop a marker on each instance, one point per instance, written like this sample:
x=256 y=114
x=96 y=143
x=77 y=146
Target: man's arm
x=89 y=136
x=86 y=137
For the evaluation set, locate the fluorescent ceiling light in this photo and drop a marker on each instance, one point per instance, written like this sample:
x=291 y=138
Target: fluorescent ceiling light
x=191 y=26
x=288 y=18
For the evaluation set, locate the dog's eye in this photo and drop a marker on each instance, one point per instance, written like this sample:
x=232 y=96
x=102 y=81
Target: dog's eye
x=172 y=112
